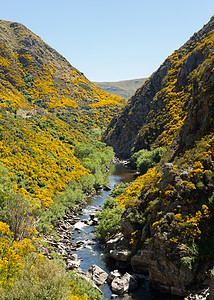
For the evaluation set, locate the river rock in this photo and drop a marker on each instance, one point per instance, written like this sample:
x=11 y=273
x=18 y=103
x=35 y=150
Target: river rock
x=79 y=243
x=85 y=221
x=106 y=188
x=122 y=255
x=98 y=275
x=72 y=264
x=110 y=244
x=112 y=275
x=95 y=221
x=121 y=285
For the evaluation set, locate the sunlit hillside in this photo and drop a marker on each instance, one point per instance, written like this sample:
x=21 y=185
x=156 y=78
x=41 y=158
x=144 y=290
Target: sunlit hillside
x=51 y=116
x=166 y=130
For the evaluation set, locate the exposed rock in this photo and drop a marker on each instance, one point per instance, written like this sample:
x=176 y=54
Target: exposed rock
x=127 y=228
x=167 y=273
x=211 y=286
x=112 y=243
x=112 y=275
x=122 y=255
x=140 y=261
x=136 y=127
x=168 y=176
x=121 y=285
x=72 y=264
x=98 y=275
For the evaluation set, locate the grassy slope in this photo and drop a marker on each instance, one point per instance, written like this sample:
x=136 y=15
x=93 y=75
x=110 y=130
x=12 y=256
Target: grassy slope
x=125 y=88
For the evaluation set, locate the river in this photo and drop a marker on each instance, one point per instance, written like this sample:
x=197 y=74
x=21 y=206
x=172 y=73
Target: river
x=91 y=251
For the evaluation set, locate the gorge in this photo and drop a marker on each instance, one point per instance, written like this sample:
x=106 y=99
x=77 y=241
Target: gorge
x=57 y=135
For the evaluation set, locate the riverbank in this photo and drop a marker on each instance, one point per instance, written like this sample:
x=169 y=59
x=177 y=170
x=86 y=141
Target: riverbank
x=80 y=249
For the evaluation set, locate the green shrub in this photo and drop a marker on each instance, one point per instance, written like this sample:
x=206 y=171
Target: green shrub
x=109 y=220
x=72 y=195
x=119 y=189
x=48 y=280
x=145 y=159
x=193 y=252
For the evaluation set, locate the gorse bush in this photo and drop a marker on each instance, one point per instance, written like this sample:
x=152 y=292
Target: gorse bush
x=48 y=280
x=146 y=159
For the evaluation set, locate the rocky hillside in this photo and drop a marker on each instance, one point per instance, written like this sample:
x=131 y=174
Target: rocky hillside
x=125 y=88
x=167 y=223
x=157 y=111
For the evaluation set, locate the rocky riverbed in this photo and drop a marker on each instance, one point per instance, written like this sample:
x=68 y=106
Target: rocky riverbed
x=81 y=251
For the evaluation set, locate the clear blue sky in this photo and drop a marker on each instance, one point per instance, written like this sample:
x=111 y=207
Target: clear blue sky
x=111 y=40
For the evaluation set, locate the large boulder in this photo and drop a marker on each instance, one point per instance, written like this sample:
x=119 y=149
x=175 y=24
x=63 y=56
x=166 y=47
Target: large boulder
x=112 y=275
x=98 y=275
x=112 y=243
x=121 y=255
x=123 y=284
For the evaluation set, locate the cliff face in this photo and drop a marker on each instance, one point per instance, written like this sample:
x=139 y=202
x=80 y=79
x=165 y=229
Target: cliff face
x=168 y=218
x=157 y=111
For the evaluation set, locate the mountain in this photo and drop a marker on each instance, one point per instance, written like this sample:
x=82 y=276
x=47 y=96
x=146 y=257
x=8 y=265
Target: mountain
x=45 y=104
x=157 y=111
x=34 y=74
x=51 y=116
x=124 y=89
x=167 y=130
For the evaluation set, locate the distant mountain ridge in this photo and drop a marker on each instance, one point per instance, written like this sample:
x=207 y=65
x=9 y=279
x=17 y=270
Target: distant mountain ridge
x=123 y=88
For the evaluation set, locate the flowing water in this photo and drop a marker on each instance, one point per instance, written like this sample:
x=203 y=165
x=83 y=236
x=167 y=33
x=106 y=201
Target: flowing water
x=91 y=251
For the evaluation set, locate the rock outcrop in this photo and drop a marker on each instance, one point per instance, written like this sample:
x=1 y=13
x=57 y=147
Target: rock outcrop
x=121 y=285
x=149 y=117
x=96 y=274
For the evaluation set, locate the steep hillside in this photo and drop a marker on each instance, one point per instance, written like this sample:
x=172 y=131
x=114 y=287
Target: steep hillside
x=34 y=74
x=47 y=106
x=50 y=158
x=157 y=111
x=125 y=88
x=167 y=223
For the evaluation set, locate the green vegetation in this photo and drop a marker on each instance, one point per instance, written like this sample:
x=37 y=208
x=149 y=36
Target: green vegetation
x=172 y=202
x=146 y=159
x=50 y=158
x=47 y=280
x=109 y=219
